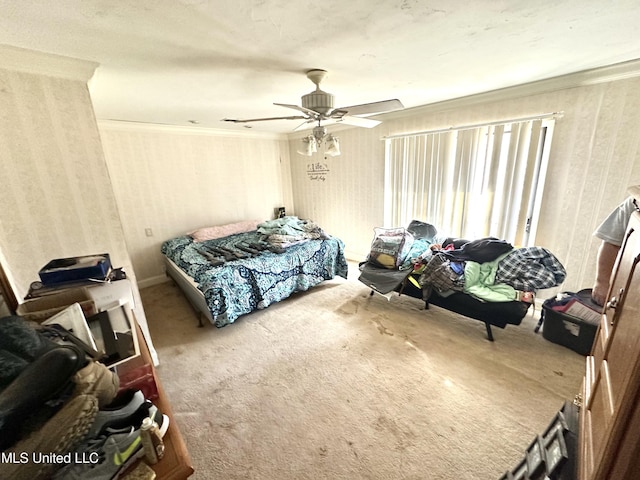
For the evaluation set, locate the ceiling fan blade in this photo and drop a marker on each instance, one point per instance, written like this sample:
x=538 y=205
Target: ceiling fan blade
x=358 y=121
x=302 y=109
x=371 y=108
x=240 y=120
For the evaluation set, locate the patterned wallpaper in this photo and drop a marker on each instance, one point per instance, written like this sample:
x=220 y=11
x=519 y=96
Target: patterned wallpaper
x=172 y=180
x=56 y=198
x=595 y=156
x=169 y=180
x=61 y=199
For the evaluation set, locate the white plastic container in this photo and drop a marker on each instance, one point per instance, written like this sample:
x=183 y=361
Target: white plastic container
x=151 y=441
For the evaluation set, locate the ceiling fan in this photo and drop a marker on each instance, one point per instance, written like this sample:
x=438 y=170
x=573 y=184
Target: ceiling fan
x=317 y=106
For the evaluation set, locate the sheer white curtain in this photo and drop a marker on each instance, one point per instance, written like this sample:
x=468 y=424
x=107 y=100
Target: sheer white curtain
x=469 y=182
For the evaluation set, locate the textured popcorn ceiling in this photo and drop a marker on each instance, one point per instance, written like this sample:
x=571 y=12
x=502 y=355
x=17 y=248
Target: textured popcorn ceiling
x=169 y=61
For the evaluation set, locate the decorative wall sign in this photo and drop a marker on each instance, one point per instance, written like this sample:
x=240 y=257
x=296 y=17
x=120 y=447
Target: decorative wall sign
x=317 y=171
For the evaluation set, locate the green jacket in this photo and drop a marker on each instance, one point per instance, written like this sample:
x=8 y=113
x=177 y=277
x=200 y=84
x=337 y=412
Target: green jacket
x=479 y=281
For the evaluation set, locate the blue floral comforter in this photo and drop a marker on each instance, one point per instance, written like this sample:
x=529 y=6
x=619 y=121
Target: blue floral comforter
x=244 y=285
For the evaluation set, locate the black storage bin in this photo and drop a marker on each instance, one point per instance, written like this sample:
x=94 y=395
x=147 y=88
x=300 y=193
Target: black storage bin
x=569 y=331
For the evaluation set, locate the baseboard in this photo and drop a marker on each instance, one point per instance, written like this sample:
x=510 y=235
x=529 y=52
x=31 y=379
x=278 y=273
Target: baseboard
x=149 y=282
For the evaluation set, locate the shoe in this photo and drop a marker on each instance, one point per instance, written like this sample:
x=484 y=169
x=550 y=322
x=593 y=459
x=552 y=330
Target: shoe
x=111 y=453
x=119 y=411
x=104 y=458
x=146 y=409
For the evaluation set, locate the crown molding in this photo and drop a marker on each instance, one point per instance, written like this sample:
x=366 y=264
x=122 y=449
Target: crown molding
x=124 y=125
x=609 y=73
x=48 y=64
x=594 y=76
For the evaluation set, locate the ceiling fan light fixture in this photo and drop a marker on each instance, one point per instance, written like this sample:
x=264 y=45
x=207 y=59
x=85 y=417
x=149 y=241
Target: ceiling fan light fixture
x=308 y=146
x=333 y=146
x=319 y=133
x=311 y=143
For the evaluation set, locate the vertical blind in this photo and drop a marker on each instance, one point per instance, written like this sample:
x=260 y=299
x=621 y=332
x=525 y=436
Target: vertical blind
x=469 y=182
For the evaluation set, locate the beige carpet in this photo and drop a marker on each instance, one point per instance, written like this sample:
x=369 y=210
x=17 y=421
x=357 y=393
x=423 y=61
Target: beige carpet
x=335 y=384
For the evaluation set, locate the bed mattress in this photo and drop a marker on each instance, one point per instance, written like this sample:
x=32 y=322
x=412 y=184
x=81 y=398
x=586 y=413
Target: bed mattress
x=241 y=286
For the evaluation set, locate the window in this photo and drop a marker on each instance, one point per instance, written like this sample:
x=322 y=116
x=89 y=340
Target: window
x=470 y=182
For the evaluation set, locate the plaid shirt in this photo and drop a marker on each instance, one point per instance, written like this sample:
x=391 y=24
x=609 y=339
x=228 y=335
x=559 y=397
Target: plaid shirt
x=438 y=274
x=530 y=269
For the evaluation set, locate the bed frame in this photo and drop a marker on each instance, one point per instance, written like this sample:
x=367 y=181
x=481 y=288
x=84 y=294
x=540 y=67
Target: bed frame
x=227 y=277
x=190 y=290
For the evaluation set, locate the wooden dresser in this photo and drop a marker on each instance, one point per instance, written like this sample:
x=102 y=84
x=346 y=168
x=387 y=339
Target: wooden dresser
x=609 y=439
x=176 y=463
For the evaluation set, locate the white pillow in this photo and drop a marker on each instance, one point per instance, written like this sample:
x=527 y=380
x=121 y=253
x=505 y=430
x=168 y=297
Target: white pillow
x=219 y=231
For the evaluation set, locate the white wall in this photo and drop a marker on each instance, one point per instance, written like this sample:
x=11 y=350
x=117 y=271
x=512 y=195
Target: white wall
x=173 y=180
x=594 y=157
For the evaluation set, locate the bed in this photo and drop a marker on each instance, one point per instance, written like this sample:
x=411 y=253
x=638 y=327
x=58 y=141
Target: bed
x=230 y=276
x=492 y=281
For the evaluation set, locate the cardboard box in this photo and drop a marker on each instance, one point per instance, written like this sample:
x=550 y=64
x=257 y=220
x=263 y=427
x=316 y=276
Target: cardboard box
x=42 y=308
